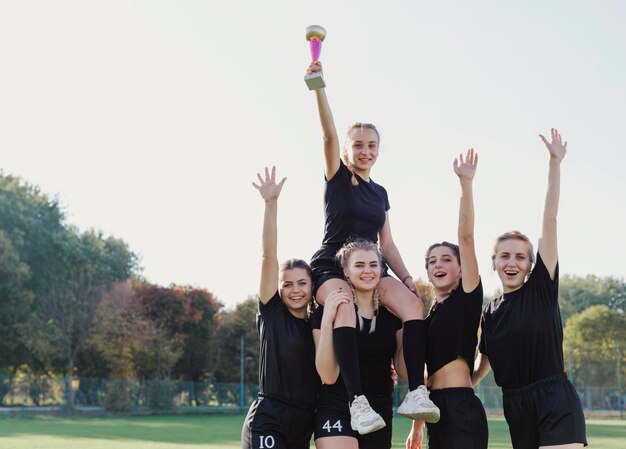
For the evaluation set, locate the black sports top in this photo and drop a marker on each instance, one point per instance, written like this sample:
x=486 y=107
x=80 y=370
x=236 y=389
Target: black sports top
x=287 y=356
x=452 y=329
x=353 y=211
x=376 y=351
x=522 y=332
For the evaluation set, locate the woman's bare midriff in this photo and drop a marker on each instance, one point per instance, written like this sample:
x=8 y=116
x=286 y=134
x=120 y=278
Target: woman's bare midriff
x=454 y=374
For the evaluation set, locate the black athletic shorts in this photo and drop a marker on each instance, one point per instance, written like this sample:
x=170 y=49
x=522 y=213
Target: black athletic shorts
x=325 y=266
x=274 y=424
x=332 y=419
x=545 y=413
x=463 y=422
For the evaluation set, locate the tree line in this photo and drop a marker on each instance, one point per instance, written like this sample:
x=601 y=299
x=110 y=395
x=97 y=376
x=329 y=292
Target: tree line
x=74 y=304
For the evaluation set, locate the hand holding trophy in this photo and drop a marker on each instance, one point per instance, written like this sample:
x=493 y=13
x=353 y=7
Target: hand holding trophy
x=315 y=34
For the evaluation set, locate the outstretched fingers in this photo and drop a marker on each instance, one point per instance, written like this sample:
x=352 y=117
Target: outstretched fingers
x=267 y=186
x=273 y=179
x=472 y=156
x=555 y=146
x=260 y=182
x=465 y=167
x=260 y=178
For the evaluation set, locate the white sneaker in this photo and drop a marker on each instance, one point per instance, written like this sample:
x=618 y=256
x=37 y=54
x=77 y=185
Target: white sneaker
x=363 y=418
x=418 y=406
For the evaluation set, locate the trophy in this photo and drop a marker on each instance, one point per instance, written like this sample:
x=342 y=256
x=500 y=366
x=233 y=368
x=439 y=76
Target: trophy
x=315 y=34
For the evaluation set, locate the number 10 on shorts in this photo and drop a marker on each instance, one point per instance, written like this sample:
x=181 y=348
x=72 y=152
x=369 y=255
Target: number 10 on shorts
x=267 y=441
x=329 y=428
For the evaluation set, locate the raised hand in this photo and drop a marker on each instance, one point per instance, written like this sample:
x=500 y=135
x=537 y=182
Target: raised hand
x=268 y=188
x=466 y=169
x=557 y=147
x=314 y=67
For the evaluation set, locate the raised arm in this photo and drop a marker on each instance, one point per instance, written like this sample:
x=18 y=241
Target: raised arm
x=325 y=360
x=331 y=141
x=465 y=170
x=548 y=239
x=270 y=191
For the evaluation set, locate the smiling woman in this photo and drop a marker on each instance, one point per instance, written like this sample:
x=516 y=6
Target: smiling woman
x=541 y=406
x=296 y=286
x=379 y=343
x=282 y=415
x=356 y=207
x=452 y=329
x=361 y=263
x=512 y=259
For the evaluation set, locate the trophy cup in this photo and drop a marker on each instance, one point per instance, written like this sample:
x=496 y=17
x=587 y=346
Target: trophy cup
x=315 y=34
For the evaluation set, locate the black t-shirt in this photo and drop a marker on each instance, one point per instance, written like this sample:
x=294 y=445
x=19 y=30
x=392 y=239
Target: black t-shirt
x=352 y=211
x=452 y=329
x=522 y=332
x=287 y=356
x=376 y=351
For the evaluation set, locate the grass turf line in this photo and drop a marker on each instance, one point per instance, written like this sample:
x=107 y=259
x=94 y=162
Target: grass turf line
x=209 y=432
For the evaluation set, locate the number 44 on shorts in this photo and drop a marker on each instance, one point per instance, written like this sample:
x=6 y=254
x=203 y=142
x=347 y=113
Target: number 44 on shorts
x=330 y=428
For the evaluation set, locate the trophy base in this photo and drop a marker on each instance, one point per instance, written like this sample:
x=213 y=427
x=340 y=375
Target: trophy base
x=314 y=81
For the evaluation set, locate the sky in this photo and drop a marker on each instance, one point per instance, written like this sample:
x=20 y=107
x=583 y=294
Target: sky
x=148 y=120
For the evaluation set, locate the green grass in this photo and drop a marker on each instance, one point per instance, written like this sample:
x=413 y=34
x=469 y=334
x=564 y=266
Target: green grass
x=208 y=432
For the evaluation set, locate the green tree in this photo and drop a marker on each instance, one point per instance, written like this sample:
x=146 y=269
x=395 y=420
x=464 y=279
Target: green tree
x=63 y=314
x=187 y=315
x=51 y=280
x=232 y=325
x=576 y=293
x=131 y=344
x=32 y=232
x=200 y=335
x=592 y=337
x=35 y=226
x=15 y=302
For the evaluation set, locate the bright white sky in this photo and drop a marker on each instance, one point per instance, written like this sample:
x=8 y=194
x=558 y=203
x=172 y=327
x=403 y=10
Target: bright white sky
x=149 y=120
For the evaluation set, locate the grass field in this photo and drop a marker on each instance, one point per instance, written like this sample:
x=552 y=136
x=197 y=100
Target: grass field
x=209 y=432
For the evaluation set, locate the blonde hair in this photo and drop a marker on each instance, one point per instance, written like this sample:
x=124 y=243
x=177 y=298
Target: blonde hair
x=343 y=256
x=513 y=235
x=344 y=156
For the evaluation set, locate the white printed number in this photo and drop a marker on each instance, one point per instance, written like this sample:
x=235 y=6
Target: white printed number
x=267 y=442
x=328 y=427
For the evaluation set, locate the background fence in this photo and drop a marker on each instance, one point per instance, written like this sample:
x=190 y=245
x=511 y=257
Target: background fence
x=103 y=396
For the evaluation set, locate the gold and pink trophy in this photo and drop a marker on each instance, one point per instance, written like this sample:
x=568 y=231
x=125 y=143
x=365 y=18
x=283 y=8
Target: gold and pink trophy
x=315 y=34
